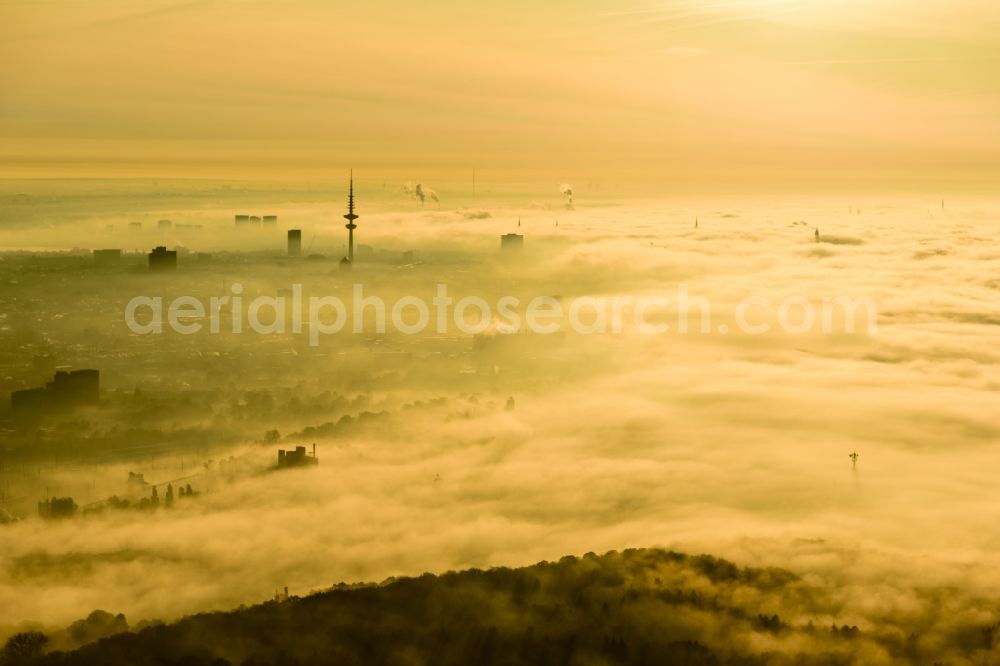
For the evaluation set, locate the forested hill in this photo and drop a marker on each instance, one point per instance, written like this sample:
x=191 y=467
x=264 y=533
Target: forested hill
x=631 y=607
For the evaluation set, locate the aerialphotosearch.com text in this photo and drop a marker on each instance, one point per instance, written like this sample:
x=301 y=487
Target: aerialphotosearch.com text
x=317 y=316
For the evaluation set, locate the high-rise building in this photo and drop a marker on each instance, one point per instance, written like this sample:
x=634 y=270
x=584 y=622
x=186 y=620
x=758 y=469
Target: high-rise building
x=294 y=242
x=242 y=220
x=29 y=400
x=164 y=225
x=254 y=221
x=67 y=389
x=79 y=387
x=162 y=259
x=135 y=226
x=511 y=242
x=270 y=220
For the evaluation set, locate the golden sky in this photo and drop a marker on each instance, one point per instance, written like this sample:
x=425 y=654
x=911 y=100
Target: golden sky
x=671 y=90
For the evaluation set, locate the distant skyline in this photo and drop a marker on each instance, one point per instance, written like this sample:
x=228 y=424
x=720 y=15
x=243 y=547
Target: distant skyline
x=810 y=93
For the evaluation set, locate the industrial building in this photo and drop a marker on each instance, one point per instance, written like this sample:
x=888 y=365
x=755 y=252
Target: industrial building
x=297 y=458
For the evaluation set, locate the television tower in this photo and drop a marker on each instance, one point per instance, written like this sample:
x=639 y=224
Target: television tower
x=350 y=217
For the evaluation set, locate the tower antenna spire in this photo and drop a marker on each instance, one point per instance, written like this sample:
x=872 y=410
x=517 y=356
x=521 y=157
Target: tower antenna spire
x=350 y=217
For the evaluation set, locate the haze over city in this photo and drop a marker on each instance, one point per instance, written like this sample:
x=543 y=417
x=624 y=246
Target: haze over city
x=577 y=333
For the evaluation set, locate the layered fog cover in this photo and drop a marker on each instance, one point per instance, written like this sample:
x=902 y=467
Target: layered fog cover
x=576 y=333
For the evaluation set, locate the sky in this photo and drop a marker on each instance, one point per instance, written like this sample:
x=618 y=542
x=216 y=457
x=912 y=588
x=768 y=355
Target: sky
x=674 y=93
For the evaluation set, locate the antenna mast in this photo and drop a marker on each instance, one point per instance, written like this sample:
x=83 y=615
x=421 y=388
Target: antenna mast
x=350 y=217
